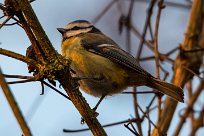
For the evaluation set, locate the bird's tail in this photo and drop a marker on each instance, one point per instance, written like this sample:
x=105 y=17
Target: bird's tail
x=171 y=90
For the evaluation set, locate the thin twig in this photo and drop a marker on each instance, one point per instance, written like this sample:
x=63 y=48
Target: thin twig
x=2 y=16
x=189 y=87
x=192 y=72
x=103 y=12
x=18 y=57
x=18 y=76
x=137 y=33
x=149 y=124
x=14 y=106
x=147 y=116
x=172 y=51
x=148 y=107
x=147 y=21
x=5 y=21
x=133 y=131
x=108 y=125
x=197 y=123
x=162 y=57
x=21 y=81
x=137 y=115
x=189 y=108
x=65 y=96
x=128 y=25
x=186 y=5
x=160 y=7
x=34 y=79
x=43 y=88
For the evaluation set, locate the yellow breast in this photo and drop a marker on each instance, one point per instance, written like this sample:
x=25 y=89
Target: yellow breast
x=86 y=63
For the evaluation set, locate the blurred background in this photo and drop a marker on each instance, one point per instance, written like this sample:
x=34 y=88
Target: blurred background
x=50 y=113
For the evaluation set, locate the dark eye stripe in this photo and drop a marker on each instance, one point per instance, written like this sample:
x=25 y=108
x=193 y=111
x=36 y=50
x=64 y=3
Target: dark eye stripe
x=76 y=28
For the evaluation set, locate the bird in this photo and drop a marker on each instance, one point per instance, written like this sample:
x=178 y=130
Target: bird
x=105 y=68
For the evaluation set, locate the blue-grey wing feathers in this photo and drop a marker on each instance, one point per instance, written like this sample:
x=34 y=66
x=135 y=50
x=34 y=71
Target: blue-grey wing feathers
x=113 y=52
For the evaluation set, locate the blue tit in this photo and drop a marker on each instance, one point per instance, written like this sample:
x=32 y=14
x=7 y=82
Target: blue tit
x=109 y=68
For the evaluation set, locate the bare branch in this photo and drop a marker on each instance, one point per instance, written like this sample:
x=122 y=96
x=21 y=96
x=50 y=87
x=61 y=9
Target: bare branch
x=18 y=57
x=108 y=125
x=191 y=61
x=189 y=108
x=13 y=104
x=147 y=22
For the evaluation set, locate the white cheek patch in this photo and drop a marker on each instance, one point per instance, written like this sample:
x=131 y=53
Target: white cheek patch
x=76 y=32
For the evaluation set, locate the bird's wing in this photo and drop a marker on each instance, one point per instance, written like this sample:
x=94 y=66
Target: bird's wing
x=115 y=53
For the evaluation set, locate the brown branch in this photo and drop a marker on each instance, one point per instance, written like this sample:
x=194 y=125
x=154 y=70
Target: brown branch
x=156 y=53
x=189 y=108
x=149 y=124
x=137 y=34
x=21 y=81
x=53 y=65
x=144 y=114
x=197 y=123
x=18 y=76
x=18 y=57
x=148 y=107
x=147 y=22
x=48 y=85
x=133 y=130
x=5 y=21
x=14 y=106
x=31 y=78
x=128 y=25
x=36 y=27
x=186 y=5
x=137 y=115
x=108 y=125
x=189 y=60
x=160 y=7
x=95 y=20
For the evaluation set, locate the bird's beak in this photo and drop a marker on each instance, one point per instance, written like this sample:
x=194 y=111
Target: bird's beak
x=61 y=30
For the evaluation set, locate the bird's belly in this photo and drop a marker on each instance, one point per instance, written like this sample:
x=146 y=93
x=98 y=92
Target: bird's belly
x=104 y=76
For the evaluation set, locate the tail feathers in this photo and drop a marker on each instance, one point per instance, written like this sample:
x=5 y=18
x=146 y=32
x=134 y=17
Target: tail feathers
x=171 y=90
